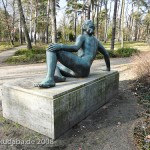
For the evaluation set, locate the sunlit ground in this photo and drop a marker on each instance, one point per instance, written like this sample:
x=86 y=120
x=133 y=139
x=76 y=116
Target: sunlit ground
x=5 y=45
x=142 y=46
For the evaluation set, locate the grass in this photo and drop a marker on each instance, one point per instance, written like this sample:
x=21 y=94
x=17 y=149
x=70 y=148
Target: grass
x=24 y=56
x=6 y=46
x=136 y=45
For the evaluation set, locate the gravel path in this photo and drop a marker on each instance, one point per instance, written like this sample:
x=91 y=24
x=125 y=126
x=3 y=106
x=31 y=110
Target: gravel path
x=109 y=128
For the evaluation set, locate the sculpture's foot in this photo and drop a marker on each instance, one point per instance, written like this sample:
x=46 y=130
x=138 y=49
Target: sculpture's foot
x=59 y=79
x=47 y=83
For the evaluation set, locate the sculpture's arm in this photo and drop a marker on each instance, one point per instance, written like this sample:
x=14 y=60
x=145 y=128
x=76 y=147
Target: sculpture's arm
x=102 y=50
x=70 y=48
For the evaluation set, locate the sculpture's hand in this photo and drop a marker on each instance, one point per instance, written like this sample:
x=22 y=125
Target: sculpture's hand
x=54 y=47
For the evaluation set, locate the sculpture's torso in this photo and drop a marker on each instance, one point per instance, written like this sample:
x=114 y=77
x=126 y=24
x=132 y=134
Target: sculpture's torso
x=89 y=48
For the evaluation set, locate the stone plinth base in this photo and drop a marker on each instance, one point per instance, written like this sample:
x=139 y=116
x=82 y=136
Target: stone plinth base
x=53 y=111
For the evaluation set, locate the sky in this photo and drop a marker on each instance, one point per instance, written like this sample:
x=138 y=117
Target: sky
x=61 y=11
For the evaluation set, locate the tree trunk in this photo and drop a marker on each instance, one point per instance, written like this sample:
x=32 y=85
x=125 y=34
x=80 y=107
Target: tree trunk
x=84 y=1
x=29 y=46
x=119 y=25
x=132 y=23
x=106 y=22
x=136 y=30
x=8 y=26
x=97 y=19
x=122 y=23
x=13 y=23
x=31 y=10
x=20 y=32
x=47 y=23
x=89 y=9
x=75 y=24
x=109 y=13
x=114 y=25
x=53 y=19
x=93 y=10
x=35 y=21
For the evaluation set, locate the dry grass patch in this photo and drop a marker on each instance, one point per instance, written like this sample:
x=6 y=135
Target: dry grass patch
x=141 y=89
x=142 y=66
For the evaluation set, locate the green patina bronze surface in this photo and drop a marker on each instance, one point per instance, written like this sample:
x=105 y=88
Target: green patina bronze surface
x=72 y=65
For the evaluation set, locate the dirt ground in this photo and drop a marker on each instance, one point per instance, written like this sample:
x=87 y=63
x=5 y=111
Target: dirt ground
x=109 y=128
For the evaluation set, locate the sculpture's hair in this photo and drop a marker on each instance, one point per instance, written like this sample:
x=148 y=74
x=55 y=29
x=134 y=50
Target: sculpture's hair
x=85 y=25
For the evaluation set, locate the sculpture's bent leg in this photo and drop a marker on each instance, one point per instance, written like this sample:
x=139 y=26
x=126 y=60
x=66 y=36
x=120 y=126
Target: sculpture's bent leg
x=73 y=65
x=58 y=77
x=66 y=71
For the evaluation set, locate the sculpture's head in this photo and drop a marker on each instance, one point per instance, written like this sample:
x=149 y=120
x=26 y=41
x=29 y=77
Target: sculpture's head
x=88 y=26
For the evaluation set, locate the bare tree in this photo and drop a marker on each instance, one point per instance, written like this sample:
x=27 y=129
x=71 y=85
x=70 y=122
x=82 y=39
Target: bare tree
x=31 y=11
x=53 y=20
x=7 y=23
x=89 y=9
x=114 y=25
x=35 y=20
x=29 y=46
x=106 y=21
x=47 y=22
x=122 y=23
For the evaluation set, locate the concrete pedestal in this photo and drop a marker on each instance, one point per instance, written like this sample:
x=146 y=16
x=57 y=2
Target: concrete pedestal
x=55 y=110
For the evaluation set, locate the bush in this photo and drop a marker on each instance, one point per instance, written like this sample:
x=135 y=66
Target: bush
x=142 y=66
x=126 y=52
x=112 y=54
x=121 y=52
x=21 y=52
x=35 y=50
x=36 y=55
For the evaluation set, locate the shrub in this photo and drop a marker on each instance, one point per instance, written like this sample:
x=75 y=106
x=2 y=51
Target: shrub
x=35 y=50
x=121 y=52
x=21 y=52
x=142 y=66
x=126 y=52
x=112 y=54
x=37 y=54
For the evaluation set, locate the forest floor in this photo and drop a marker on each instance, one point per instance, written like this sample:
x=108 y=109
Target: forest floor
x=110 y=127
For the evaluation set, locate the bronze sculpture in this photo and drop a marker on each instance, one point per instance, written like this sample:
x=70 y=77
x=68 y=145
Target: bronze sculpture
x=72 y=65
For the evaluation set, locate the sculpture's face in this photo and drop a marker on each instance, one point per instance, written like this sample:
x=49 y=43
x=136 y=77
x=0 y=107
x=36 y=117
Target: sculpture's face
x=89 y=27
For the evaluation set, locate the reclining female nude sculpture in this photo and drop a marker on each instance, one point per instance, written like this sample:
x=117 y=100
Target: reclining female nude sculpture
x=72 y=65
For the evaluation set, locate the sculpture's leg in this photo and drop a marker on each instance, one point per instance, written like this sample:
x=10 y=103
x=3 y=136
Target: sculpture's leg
x=51 y=60
x=58 y=77
x=66 y=71
x=73 y=65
